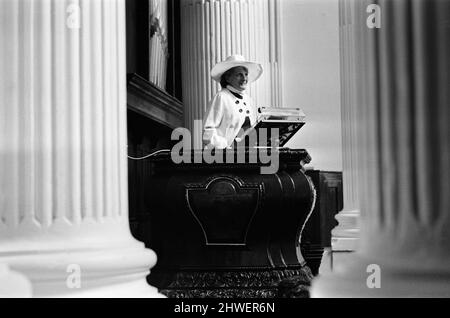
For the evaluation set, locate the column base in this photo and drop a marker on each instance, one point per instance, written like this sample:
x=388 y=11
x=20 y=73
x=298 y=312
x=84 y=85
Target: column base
x=355 y=279
x=345 y=236
x=348 y=224
x=13 y=284
x=326 y=264
x=116 y=271
x=344 y=244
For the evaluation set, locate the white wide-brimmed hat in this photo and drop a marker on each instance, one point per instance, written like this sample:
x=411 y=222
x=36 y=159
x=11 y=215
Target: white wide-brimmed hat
x=254 y=69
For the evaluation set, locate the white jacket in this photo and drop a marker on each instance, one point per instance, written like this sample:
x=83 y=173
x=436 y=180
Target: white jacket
x=225 y=115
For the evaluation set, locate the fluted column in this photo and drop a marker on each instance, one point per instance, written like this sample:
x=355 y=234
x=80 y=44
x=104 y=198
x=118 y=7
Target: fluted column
x=211 y=31
x=345 y=236
x=403 y=77
x=158 y=43
x=63 y=168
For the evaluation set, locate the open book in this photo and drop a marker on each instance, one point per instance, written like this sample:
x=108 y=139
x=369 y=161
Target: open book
x=287 y=120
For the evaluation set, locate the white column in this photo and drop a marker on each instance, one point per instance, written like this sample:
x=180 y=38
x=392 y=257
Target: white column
x=13 y=284
x=403 y=151
x=212 y=30
x=63 y=169
x=158 y=43
x=345 y=236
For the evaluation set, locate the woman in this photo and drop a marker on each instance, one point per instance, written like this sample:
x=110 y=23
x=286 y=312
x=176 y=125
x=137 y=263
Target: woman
x=231 y=109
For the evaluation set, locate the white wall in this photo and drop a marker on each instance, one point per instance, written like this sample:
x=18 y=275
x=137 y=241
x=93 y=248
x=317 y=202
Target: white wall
x=310 y=69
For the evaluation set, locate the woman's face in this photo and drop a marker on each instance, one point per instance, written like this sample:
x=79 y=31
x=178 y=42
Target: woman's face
x=238 y=78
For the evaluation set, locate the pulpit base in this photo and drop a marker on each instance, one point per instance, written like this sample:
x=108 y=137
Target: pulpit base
x=290 y=282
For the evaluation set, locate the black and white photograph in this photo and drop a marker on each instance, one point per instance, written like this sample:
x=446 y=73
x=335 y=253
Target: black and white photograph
x=224 y=155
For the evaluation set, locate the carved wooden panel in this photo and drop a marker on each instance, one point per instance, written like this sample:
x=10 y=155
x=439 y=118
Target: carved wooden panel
x=224 y=208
